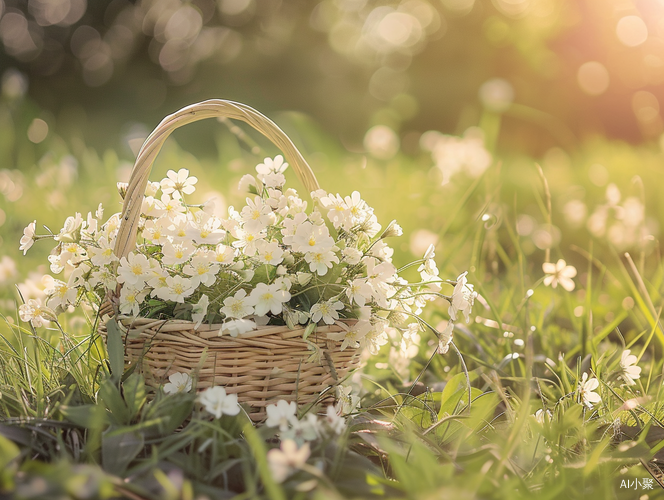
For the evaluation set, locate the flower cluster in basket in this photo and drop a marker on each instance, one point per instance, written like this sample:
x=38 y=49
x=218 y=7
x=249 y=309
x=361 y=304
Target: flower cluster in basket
x=272 y=262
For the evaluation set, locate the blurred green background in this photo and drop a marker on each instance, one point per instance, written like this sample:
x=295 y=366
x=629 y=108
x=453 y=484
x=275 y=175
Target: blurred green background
x=390 y=98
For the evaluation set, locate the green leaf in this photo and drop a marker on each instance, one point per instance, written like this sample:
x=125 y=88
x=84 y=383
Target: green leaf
x=110 y=395
x=86 y=416
x=119 y=447
x=115 y=347
x=134 y=393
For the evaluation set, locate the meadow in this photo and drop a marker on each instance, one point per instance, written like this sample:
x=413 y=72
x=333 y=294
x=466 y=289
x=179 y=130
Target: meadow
x=538 y=398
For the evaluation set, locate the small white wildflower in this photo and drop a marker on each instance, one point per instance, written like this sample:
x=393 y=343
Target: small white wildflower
x=282 y=414
x=446 y=338
x=630 y=372
x=463 y=298
x=178 y=382
x=178 y=181
x=28 y=238
x=586 y=387
x=237 y=327
x=543 y=417
x=334 y=421
x=199 y=311
x=237 y=306
x=347 y=402
x=35 y=312
x=285 y=461
x=559 y=272
x=268 y=298
x=218 y=403
x=327 y=311
x=351 y=335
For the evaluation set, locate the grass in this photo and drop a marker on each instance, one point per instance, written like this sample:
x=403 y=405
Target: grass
x=72 y=427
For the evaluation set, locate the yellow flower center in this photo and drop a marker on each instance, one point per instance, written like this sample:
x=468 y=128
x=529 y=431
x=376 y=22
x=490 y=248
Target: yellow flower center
x=312 y=241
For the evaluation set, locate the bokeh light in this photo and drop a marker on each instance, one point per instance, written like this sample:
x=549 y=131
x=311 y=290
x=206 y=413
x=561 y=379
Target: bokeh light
x=593 y=78
x=632 y=31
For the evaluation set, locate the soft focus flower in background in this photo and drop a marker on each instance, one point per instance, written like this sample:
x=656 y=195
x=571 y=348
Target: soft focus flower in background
x=218 y=403
x=288 y=459
x=557 y=273
x=630 y=372
x=586 y=389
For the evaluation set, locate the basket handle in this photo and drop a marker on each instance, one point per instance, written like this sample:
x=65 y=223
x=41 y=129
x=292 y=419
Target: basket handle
x=213 y=108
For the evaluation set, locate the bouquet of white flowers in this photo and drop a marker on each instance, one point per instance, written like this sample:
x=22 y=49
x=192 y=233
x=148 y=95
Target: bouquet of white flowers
x=277 y=270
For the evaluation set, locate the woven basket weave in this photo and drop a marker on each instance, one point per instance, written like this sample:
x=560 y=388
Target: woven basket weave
x=267 y=364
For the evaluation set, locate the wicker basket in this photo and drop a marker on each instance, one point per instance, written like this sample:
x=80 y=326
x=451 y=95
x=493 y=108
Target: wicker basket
x=267 y=364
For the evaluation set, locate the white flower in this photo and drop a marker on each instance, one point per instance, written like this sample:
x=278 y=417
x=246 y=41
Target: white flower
x=630 y=372
x=72 y=224
x=202 y=270
x=103 y=254
x=177 y=253
x=28 y=238
x=237 y=306
x=586 y=387
x=223 y=254
x=376 y=337
x=351 y=334
x=312 y=238
x=334 y=421
x=542 y=416
x=351 y=255
x=285 y=461
x=104 y=276
x=270 y=172
x=246 y=181
x=170 y=205
x=218 y=403
x=327 y=311
x=463 y=298
x=282 y=414
x=178 y=181
x=256 y=215
x=156 y=276
x=561 y=273
x=268 y=298
x=131 y=298
x=237 y=327
x=303 y=430
x=35 y=312
x=206 y=229
x=156 y=231
x=247 y=240
x=269 y=253
x=133 y=269
x=359 y=291
x=61 y=294
x=151 y=189
x=428 y=268
x=199 y=311
x=178 y=382
x=377 y=274
x=320 y=262
x=291 y=225
x=151 y=208
x=446 y=338
x=347 y=402
x=178 y=288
